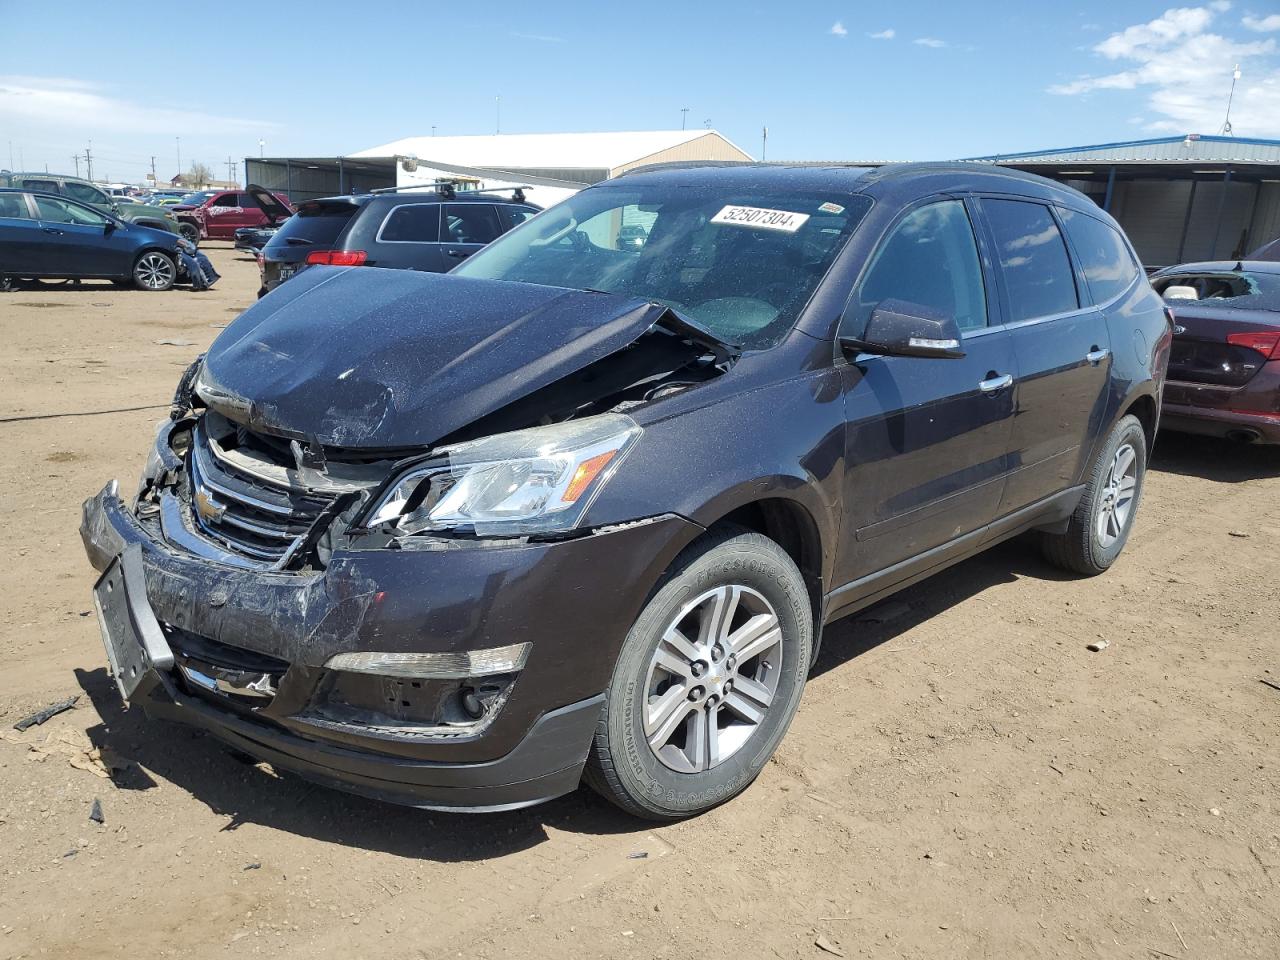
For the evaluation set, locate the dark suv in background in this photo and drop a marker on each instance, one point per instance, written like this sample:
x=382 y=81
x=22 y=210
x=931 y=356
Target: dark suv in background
x=585 y=503
x=432 y=231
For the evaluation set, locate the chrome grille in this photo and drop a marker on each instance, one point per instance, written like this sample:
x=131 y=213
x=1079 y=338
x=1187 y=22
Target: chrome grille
x=241 y=512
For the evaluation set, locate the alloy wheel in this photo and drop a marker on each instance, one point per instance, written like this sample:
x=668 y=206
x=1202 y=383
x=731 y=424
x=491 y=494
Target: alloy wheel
x=712 y=678
x=155 y=272
x=1117 y=496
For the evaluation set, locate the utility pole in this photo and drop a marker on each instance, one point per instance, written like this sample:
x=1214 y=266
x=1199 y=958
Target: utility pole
x=433 y=129
x=764 y=143
x=88 y=159
x=178 y=141
x=262 y=145
x=76 y=158
x=231 y=169
x=153 y=169
x=684 y=116
x=497 y=123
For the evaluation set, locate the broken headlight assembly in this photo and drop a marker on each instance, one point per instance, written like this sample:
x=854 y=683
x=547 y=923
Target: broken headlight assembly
x=535 y=481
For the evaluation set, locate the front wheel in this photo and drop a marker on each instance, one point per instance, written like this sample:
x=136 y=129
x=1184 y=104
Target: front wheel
x=1100 y=527
x=154 y=271
x=189 y=231
x=708 y=679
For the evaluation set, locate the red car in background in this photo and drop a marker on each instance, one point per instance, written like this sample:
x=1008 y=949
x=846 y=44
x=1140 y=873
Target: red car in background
x=1224 y=367
x=217 y=214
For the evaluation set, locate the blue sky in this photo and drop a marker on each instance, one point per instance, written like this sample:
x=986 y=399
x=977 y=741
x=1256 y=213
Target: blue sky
x=902 y=80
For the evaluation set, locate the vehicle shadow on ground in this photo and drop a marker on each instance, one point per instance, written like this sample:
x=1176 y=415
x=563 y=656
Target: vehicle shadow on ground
x=849 y=638
x=1211 y=458
x=234 y=786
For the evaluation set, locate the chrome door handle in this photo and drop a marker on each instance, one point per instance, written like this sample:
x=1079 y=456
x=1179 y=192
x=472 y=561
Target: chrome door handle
x=996 y=383
x=1097 y=356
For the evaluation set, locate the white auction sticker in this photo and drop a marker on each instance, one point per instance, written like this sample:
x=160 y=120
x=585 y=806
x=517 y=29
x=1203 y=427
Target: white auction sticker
x=783 y=220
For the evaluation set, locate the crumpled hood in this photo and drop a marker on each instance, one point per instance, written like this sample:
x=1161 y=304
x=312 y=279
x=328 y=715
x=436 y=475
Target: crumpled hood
x=367 y=357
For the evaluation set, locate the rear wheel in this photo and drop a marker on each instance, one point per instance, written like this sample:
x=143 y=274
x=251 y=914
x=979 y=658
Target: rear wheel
x=1100 y=527
x=708 y=679
x=154 y=271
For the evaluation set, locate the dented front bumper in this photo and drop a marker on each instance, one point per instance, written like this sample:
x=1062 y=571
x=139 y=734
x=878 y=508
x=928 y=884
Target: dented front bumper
x=571 y=601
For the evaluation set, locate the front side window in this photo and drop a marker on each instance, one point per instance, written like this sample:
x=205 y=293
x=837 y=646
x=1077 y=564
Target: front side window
x=412 y=223
x=470 y=223
x=1033 y=258
x=61 y=211
x=737 y=259
x=85 y=193
x=930 y=258
x=1104 y=256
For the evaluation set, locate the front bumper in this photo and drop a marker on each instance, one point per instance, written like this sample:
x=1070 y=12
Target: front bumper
x=572 y=601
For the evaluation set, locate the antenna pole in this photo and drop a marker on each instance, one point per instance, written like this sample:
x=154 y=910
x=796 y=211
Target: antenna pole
x=1226 y=124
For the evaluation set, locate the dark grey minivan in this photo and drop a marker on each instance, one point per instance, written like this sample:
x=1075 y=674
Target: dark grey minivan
x=582 y=506
x=423 y=230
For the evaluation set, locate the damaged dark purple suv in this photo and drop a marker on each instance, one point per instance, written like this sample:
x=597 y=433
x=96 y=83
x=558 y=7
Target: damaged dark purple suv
x=585 y=504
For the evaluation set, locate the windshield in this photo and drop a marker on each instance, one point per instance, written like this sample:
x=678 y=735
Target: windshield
x=742 y=264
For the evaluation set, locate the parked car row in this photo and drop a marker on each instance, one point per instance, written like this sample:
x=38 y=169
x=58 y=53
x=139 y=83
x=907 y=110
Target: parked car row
x=582 y=507
x=89 y=193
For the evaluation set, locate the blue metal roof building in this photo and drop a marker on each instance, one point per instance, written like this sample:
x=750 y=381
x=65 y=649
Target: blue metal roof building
x=1179 y=198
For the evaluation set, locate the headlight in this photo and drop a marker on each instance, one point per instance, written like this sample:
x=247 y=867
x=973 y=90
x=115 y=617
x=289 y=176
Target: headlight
x=529 y=481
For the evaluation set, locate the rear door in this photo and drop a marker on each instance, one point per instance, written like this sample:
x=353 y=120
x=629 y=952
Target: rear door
x=1062 y=345
x=927 y=439
x=409 y=238
x=466 y=228
x=18 y=230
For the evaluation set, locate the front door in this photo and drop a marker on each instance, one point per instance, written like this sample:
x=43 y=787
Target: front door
x=927 y=439
x=1063 y=350
x=77 y=241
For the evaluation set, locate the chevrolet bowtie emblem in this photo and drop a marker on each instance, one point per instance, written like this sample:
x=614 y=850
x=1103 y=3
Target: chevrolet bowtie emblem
x=208 y=508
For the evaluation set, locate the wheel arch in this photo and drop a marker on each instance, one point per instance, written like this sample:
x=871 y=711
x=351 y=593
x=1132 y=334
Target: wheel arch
x=1145 y=408
x=791 y=525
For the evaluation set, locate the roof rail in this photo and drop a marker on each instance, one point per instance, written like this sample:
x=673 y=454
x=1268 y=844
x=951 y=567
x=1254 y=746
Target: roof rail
x=449 y=189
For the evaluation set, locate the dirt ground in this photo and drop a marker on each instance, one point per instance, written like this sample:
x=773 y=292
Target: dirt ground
x=964 y=777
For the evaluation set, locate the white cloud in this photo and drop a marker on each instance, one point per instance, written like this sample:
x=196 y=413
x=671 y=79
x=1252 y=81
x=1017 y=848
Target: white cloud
x=1262 y=24
x=930 y=42
x=838 y=30
x=1186 y=70
x=77 y=105
x=883 y=34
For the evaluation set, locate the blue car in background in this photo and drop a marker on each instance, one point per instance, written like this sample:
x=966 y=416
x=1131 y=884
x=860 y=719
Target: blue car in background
x=43 y=236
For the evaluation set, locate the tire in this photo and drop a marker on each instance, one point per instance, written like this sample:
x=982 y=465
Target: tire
x=674 y=772
x=189 y=231
x=1091 y=543
x=154 y=271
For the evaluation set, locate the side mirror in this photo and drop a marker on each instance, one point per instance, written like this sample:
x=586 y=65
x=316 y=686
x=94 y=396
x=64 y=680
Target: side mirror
x=898 y=328
x=1180 y=292
x=110 y=226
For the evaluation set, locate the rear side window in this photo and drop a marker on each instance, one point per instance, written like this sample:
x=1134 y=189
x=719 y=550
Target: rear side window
x=1033 y=258
x=513 y=216
x=931 y=259
x=412 y=223
x=1104 y=256
x=48 y=186
x=13 y=206
x=470 y=223
x=316 y=224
